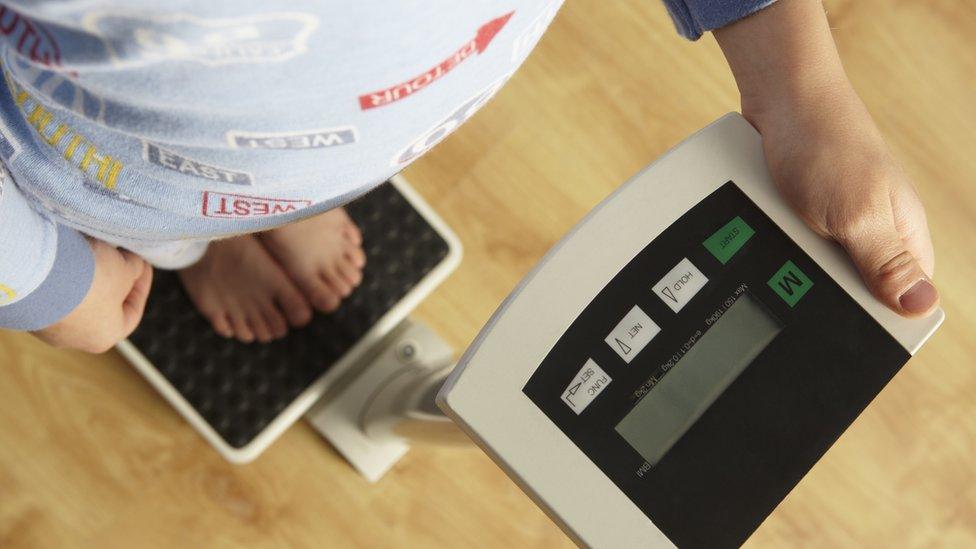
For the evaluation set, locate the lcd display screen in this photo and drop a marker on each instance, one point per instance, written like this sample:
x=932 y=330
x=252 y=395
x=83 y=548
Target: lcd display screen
x=663 y=416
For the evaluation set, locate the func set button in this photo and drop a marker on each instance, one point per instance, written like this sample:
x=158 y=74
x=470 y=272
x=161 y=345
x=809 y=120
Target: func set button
x=588 y=383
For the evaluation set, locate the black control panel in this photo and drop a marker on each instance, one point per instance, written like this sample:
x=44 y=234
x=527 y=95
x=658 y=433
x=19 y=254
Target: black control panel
x=713 y=371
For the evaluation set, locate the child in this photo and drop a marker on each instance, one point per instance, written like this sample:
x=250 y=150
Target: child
x=221 y=138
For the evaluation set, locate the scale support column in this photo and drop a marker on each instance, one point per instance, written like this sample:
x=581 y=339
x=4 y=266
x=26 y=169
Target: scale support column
x=372 y=417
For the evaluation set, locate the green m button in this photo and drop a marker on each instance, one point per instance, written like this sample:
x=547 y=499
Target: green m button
x=790 y=283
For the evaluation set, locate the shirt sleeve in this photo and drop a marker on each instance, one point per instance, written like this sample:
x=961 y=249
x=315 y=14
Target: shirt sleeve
x=45 y=268
x=695 y=17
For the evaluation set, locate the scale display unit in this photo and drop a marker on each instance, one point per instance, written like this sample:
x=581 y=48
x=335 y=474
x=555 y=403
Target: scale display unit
x=680 y=360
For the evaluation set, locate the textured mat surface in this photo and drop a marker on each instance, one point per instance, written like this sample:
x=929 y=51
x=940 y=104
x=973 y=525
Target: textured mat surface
x=240 y=388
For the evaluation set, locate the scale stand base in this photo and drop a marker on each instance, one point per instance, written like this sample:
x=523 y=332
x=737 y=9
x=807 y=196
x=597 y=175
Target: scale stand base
x=371 y=417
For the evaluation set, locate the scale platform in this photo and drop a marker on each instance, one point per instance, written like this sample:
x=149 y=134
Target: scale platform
x=241 y=397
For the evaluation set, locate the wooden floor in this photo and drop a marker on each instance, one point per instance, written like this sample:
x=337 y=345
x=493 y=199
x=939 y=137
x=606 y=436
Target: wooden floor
x=91 y=456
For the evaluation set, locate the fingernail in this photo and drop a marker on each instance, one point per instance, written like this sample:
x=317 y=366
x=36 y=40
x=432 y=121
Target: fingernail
x=919 y=298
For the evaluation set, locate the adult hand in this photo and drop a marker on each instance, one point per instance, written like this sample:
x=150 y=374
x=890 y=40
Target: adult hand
x=113 y=306
x=825 y=153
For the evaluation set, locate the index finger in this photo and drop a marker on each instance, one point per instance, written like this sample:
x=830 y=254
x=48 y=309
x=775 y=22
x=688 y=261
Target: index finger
x=135 y=303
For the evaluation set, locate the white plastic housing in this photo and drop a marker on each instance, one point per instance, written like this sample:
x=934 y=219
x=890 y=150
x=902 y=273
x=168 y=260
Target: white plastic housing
x=484 y=394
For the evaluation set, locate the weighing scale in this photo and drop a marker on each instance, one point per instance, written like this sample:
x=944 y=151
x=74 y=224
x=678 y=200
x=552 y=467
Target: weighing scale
x=678 y=362
x=666 y=375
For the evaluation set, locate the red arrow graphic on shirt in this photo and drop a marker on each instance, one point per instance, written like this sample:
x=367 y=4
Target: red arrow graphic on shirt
x=476 y=45
x=488 y=31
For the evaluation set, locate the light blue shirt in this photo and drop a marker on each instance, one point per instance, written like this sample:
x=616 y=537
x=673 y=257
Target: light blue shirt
x=152 y=124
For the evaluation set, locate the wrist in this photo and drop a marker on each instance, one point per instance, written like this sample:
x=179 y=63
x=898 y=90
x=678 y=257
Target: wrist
x=784 y=59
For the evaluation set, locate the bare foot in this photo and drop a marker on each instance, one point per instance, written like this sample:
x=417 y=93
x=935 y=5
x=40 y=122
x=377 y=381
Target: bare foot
x=323 y=255
x=244 y=293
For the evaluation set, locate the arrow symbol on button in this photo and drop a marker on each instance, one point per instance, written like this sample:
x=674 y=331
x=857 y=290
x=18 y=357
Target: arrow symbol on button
x=670 y=294
x=623 y=346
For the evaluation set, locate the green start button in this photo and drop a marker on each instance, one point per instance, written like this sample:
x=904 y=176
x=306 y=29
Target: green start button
x=729 y=239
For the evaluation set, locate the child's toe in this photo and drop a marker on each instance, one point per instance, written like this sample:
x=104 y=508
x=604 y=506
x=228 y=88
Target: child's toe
x=221 y=324
x=297 y=310
x=356 y=256
x=262 y=332
x=242 y=331
x=333 y=276
x=275 y=321
x=350 y=273
x=318 y=291
x=255 y=319
x=324 y=298
x=353 y=234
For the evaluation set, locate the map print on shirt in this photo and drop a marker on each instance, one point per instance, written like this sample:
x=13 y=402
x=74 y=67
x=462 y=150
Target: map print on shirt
x=7 y=294
x=476 y=45
x=154 y=154
x=444 y=128
x=306 y=139
x=32 y=40
x=77 y=148
x=57 y=85
x=35 y=55
x=237 y=206
x=8 y=150
x=110 y=133
x=271 y=37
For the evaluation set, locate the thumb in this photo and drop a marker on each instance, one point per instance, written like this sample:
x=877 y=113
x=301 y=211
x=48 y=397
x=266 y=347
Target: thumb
x=135 y=302
x=134 y=264
x=894 y=275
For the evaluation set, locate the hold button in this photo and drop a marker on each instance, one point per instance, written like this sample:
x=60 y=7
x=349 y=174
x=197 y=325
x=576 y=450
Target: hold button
x=680 y=284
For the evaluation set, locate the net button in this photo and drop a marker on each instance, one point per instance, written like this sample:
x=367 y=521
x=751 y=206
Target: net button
x=634 y=331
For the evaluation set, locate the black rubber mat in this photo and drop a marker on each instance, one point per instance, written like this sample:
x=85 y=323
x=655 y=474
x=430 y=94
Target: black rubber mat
x=240 y=388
